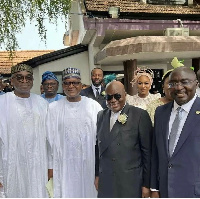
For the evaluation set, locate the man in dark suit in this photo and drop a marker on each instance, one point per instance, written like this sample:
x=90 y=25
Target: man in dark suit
x=176 y=142
x=96 y=90
x=124 y=143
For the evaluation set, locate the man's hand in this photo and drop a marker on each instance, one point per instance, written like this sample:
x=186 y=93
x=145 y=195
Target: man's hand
x=145 y=192
x=155 y=194
x=96 y=182
x=50 y=173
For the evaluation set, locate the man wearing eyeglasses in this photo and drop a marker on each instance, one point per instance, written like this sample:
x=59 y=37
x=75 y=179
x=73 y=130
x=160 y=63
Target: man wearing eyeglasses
x=72 y=133
x=176 y=155
x=50 y=86
x=96 y=90
x=124 y=141
x=23 y=154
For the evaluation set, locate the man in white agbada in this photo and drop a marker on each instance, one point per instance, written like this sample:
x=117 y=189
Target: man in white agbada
x=72 y=135
x=23 y=154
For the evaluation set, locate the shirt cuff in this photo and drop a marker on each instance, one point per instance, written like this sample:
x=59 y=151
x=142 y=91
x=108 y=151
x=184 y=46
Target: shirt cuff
x=153 y=189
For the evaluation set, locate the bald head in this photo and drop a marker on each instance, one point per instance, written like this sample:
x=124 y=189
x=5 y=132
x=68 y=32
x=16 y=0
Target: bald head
x=184 y=69
x=115 y=84
x=116 y=96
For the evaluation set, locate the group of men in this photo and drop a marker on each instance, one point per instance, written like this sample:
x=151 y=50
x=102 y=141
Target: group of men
x=39 y=141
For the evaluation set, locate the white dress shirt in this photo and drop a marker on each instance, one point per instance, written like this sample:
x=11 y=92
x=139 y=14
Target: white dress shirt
x=198 y=91
x=94 y=89
x=186 y=109
x=114 y=117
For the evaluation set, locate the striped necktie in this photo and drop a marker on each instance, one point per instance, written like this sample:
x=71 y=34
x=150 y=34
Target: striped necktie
x=174 y=131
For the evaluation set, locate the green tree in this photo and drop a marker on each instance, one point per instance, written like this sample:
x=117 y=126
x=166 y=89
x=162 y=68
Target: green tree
x=14 y=13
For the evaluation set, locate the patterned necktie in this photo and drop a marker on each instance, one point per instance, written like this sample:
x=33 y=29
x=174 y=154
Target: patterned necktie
x=97 y=93
x=174 y=131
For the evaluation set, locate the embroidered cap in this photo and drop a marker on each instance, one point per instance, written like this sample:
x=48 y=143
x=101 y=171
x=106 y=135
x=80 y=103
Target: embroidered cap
x=48 y=75
x=21 y=67
x=71 y=73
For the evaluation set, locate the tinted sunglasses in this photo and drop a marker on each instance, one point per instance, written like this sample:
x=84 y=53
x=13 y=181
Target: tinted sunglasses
x=117 y=96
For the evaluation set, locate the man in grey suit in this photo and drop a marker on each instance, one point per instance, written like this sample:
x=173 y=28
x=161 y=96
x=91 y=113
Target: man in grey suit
x=176 y=142
x=124 y=143
x=96 y=90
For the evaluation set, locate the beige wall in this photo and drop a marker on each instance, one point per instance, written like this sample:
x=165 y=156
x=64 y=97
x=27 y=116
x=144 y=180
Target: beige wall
x=76 y=25
x=79 y=61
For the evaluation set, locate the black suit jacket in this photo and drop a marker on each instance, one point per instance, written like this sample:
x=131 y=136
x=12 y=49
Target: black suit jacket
x=88 y=92
x=124 y=153
x=179 y=175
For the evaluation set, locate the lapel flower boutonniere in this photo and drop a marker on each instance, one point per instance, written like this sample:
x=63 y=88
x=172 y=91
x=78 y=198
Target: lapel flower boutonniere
x=122 y=118
x=197 y=112
x=103 y=93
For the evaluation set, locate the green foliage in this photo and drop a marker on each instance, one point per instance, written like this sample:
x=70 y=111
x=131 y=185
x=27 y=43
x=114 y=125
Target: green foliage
x=14 y=13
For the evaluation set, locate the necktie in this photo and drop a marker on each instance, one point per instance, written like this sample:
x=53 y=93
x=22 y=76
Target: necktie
x=113 y=119
x=97 y=93
x=174 y=131
x=112 y=122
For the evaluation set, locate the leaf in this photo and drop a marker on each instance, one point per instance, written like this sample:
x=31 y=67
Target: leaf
x=15 y=13
x=176 y=63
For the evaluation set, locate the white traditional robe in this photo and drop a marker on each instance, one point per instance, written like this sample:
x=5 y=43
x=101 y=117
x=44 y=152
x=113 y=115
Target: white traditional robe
x=72 y=135
x=23 y=149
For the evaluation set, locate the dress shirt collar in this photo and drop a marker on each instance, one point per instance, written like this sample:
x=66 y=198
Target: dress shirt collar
x=93 y=87
x=186 y=107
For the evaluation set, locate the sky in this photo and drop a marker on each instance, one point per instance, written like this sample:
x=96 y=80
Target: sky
x=29 y=38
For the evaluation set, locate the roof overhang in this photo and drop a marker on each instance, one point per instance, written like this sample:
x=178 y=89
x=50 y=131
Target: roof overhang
x=135 y=9
x=59 y=54
x=149 y=48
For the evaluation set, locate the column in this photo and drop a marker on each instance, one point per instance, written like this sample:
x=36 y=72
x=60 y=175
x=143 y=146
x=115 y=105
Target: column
x=129 y=67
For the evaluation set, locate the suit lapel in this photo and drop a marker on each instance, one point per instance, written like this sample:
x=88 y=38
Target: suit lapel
x=189 y=125
x=165 y=125
x=117 y=126
x=101 y=97
x=90 y=93
x=109 y=136
x=106 y=131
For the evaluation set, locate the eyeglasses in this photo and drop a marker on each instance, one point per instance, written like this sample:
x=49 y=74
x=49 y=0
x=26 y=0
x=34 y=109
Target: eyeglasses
x=182 y=83
x=20 y=78
x=73 y=83
x=117 y=96
x=49 y=84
